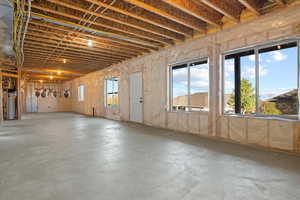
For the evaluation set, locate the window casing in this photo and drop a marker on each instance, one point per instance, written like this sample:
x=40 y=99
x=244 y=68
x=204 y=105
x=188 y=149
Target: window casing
x=112 y=91
x=272 y=86
x=189 y=86
x=81 y=93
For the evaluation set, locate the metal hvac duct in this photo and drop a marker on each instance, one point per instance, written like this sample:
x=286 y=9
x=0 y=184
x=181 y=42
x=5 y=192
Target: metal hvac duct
x=6 y=23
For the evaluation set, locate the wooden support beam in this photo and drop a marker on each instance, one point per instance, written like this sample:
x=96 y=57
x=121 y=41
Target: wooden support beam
x=197 y=10
x=128 y=21
x=231 y=11
x=48 y=76
x=253 y=5
x=49 y=71
x=127 y=9
x=160 y=8
x=110 y=28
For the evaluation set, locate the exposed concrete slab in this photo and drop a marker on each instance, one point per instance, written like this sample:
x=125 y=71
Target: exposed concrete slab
x=67 y=156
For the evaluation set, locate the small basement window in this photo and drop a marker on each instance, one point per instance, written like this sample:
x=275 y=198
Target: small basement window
x=112 y=91
x=262 y=81
x=189 y=86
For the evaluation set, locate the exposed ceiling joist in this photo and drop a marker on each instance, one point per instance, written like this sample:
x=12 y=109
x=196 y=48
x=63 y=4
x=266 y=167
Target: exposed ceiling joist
x=253 y=5
x=160 y=8
x=231 y=11
x=199 y=11
x=125 y=21
x=88 y=36
x=141 y=14
x=104 y=33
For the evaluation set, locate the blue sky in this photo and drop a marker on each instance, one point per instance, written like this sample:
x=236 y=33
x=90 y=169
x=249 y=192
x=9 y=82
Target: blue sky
x=277 y=72
x=199 y=80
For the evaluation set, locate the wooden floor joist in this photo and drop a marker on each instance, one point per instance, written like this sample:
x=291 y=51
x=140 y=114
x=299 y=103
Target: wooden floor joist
x=88 y=36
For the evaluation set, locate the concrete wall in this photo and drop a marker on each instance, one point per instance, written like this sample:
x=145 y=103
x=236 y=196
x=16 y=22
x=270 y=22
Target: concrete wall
x=47 y=104
x=269 y=133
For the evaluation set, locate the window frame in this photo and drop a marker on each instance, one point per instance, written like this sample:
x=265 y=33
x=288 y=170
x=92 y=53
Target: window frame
x=79 y=93
x=256 y=49
x=106 y=94
x=170 y=84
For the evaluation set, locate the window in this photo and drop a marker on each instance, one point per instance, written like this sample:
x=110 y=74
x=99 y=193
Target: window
x=190 y=86
x=81 y=93
x=112 y=91
x=263 y=81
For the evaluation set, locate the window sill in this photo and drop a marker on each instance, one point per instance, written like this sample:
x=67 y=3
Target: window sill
x=262 y=117
x=200 y=112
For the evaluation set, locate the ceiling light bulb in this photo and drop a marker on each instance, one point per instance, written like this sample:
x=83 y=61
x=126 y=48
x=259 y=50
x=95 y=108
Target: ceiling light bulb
x=59 y=72
x=90 y=43
x=279 y=47
x=64 y=61
x=41 y=81
x=51 y=77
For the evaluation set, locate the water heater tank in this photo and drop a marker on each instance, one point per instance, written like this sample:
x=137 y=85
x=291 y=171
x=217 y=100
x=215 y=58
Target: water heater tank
x=11 y=113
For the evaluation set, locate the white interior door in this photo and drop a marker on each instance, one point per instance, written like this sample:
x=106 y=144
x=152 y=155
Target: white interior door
x=136 y=97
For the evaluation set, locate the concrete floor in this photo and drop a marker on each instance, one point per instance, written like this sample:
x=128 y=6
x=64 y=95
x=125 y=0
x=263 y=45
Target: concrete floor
x=70 y=157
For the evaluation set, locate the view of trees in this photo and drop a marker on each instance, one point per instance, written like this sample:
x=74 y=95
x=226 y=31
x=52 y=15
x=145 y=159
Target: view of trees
x=248 y=101
x=247 y=97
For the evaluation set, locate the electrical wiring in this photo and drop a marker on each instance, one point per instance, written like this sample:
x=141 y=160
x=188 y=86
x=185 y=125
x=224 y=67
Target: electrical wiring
x=87 y=23
x=25 y=30
x=20 y=28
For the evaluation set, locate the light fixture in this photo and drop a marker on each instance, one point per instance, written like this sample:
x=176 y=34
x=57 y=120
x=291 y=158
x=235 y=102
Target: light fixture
x=90 y=43
x=51 y=77
x=59 y=72
x=64 y=61
x=41 y=81
x=278 y=47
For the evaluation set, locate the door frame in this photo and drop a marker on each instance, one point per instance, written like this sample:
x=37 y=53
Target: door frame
x=130 y=98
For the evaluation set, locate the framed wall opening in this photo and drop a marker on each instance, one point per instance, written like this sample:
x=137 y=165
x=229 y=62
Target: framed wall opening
x=262 y=81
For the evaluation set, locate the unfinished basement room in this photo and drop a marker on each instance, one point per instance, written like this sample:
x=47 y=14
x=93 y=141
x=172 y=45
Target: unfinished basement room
x=150 y=99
